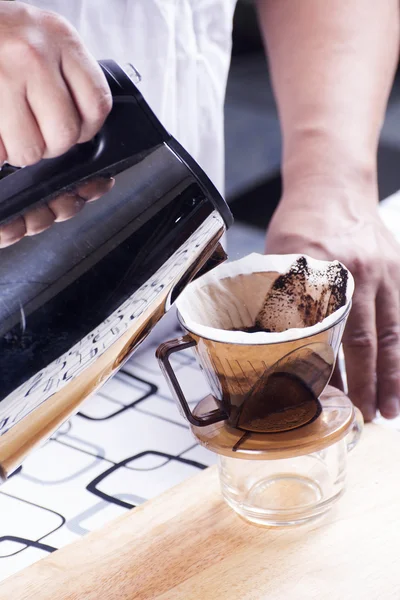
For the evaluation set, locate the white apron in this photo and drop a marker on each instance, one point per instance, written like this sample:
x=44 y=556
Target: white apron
x=182 y=50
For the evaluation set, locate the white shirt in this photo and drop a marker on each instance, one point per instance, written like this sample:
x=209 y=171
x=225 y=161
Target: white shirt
x=181 y=48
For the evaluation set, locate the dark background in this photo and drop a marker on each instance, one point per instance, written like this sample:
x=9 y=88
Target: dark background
x=253 y=143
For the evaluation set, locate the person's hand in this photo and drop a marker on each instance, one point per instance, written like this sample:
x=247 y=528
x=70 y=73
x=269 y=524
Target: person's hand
x=53 y=93
x=63 y=207
x=336 y=223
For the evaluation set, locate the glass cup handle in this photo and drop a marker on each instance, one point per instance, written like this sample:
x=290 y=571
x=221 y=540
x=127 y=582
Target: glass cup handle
x=163 y=354
x=354 y=435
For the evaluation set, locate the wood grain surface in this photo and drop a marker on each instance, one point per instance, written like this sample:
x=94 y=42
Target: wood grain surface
x=187 y=545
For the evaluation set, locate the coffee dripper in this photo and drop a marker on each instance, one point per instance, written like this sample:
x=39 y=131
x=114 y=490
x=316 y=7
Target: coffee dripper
x=280 y=434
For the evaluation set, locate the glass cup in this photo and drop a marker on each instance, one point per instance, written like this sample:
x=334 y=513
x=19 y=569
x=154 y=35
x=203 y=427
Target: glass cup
x=290 y=490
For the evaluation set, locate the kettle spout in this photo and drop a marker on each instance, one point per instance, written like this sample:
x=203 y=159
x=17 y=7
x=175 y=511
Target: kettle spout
x=211 y=258
x=218 y=257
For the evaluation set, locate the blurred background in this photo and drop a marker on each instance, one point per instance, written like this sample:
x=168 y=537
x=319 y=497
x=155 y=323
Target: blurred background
x=253 y=143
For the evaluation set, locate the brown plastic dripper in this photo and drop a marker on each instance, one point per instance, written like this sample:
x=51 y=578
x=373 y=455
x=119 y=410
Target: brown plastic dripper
x=266 y=331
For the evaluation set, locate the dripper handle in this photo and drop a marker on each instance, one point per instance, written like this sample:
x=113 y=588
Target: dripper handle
x=163 y=354
x=356 y=430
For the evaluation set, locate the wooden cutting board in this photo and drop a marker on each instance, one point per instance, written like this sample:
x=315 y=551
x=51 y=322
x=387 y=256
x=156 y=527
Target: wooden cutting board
x=187 y=545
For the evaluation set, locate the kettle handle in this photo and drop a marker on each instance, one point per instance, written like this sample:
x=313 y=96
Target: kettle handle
x=163 y=355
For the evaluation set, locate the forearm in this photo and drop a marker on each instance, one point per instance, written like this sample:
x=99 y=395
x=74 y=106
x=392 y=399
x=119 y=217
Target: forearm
x=332 y=65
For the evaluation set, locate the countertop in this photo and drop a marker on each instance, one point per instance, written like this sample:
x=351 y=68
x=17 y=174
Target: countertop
x=188 y=545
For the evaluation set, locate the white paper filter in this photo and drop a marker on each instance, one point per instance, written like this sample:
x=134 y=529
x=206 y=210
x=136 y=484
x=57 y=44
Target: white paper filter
x=236 y=295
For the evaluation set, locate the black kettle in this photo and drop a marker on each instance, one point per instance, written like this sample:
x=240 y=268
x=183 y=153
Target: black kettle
x=77 y=299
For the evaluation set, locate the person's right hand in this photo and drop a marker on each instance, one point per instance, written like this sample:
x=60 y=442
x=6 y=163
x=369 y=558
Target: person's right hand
x=53 y=93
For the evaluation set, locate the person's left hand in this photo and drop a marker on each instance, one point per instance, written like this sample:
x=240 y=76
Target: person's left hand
x=63 y=207
x=329 y=222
